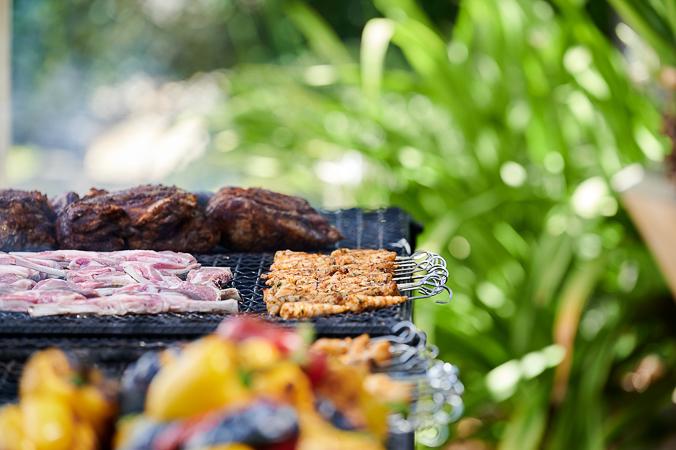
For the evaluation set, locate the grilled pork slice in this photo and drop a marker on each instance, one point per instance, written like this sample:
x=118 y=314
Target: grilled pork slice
x=258 y=220
x=26 y=221
x=132 y=304
x=145 y=217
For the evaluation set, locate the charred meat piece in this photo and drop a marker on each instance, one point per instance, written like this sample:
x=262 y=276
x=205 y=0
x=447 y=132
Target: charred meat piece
x=257 y=220
x=26 y=221
x=145 y=217
x=166 y=218
x=92 y=223
x=60 y=202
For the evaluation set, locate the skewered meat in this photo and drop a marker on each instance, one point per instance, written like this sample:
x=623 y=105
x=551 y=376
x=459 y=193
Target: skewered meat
x=145 y=217
x=257 y=220
x=305 y=285
x=305 y=310
x=345 y=256
x=26 y=221
x=359 y=351
x=354 y=303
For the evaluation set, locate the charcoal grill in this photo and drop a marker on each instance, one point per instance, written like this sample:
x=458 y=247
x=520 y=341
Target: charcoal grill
x=384 y=228
x=437 y=390
x=112 y=343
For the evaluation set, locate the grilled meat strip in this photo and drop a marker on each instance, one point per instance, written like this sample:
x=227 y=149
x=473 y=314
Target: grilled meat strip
x=146 y=217
x=257 y=220
x=345 y=256
x=353 y=303
x=26 y=221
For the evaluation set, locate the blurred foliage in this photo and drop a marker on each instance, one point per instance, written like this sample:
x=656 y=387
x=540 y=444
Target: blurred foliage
x=503 y=139
x=500 y=125
x=655 y=21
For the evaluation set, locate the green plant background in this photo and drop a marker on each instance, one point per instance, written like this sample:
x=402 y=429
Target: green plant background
x=498 y=124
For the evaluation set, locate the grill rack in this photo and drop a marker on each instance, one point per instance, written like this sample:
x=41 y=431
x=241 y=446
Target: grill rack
x=389 y=228
x=436 y=387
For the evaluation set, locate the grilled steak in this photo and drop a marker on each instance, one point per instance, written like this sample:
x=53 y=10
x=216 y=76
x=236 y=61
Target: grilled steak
x=60 y=202
x=92 y=223
x=257 y=220
x=26 y=221
x=145 y=217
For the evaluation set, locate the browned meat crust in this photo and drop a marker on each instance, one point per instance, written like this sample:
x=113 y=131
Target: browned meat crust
x=26 y=221
x=257 y=220
x=303 y=285
x=145 y=217
x=92 y=223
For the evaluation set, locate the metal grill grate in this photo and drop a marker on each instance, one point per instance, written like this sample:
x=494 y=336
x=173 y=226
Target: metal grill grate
x=374 y=229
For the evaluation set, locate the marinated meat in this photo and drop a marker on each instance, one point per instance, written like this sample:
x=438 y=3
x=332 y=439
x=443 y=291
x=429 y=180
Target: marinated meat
x=145 y=217
x=358 y=351
x=258 y=220
x=26 y=221
x=303 y=285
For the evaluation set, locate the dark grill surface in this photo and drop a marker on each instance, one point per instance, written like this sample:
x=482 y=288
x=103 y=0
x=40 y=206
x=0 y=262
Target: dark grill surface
x=375 y=229
x=112 y=342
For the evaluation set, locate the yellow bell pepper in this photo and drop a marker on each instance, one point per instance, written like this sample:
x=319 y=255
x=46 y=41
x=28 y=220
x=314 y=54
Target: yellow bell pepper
x=48 y=373
x=84 y=437
x=12 y=436
x=257 y=353
x=91 y=406
x=48 y=422
x=287 y=383
x=203 y=378
x=230 y=447
x=317 y=434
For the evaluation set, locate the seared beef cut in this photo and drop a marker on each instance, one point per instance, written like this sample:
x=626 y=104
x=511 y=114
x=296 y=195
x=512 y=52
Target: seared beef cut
x=145 y=217
x=26 y=221
x=92 y=223
x=166 y=218
x=256 y=220
x=60 y=202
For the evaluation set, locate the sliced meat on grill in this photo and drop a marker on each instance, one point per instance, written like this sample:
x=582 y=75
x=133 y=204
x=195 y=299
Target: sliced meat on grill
x=146 y=217
x=26 y=221
x=257 y=220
